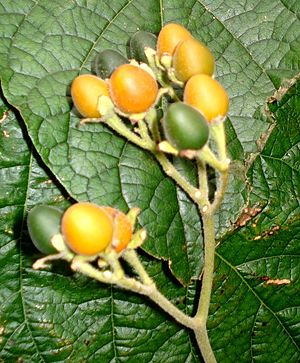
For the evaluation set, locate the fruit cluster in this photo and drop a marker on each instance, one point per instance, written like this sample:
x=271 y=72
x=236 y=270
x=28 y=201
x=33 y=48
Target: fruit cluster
x=173 y=65
x=87 y=229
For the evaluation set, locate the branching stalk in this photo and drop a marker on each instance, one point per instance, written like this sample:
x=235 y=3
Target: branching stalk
x=219 y=195
x=115 y=123
x=206 y=288
x=147 y=136
x=200 y=196
x=172 y=172
x=134 y=285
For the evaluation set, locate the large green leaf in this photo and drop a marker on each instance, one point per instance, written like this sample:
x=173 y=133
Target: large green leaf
x=55 y=315
x=44 y=45
x=256 y=300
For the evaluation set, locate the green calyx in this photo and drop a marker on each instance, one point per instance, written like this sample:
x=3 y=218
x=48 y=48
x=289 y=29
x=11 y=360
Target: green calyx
x=184 y=127
x=43 y=223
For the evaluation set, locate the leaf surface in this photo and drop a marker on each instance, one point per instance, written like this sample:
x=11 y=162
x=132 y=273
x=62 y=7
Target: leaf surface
x=44 y=45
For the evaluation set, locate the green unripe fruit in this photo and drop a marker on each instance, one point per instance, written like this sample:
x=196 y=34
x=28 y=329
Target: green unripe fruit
x=43 y=223
x=137 y=44
x=185 y=127
x=106 y=62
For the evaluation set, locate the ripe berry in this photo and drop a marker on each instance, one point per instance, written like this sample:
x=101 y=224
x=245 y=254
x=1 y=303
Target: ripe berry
x=122 y=229
x=85 y=91
x=169 y=36
x=87 y=228
x=132 y=89
x=207 y=95
x=192 y=57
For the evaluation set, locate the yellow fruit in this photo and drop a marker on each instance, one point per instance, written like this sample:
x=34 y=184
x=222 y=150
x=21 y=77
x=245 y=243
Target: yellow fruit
x=192 y=57
x=169 y=36
x=207 y=95
x=87 y=228
x=85 y=91
x=132 y=89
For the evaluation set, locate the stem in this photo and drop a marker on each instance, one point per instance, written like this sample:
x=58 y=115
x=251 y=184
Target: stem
x=152 y=121
x=134 y=285
x=143 y=129
x=202 y=177
x=219 y=195
x=207 y=156
x=171 y=171
x=116 y=124
x=207 y=281
x=218 y=133
x=204 y=345
x=171 y=309
x=132 y=258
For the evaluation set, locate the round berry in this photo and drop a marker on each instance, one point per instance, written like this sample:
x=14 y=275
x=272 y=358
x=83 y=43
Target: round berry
x=122 y=229
x=43 y=223
x=169 y=36
x=85 y=91
x=106 y=62
x=207 y=95
x=87 y=228
x=137 y=44
x=192 y=57
x=132 y=89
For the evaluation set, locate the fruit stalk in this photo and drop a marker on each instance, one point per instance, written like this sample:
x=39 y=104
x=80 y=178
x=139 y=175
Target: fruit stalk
x=194 y=193
x=207 y=281
x=145 y=287
x=188 y=126
x=115 y=123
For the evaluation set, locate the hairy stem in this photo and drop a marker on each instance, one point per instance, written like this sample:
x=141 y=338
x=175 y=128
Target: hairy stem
x=207 y=156
x=202 y=177
x=205 y=295
x=132 y=258
x=171 y=309
x=117 y=125
x=194 y=193
x=204 y=345
x=219 y=195
x=134 y=285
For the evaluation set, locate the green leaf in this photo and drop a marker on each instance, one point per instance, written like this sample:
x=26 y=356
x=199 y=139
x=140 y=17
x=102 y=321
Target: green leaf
x=38 y=315
x=44 y=45
x=256 y=300
x=255 y=305
x=275 y=172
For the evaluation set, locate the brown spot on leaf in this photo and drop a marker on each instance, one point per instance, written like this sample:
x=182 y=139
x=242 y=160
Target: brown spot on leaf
x=247 y=214
x=4 y=117
x=278 y=282
x=270 y=232
x=5 y=133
